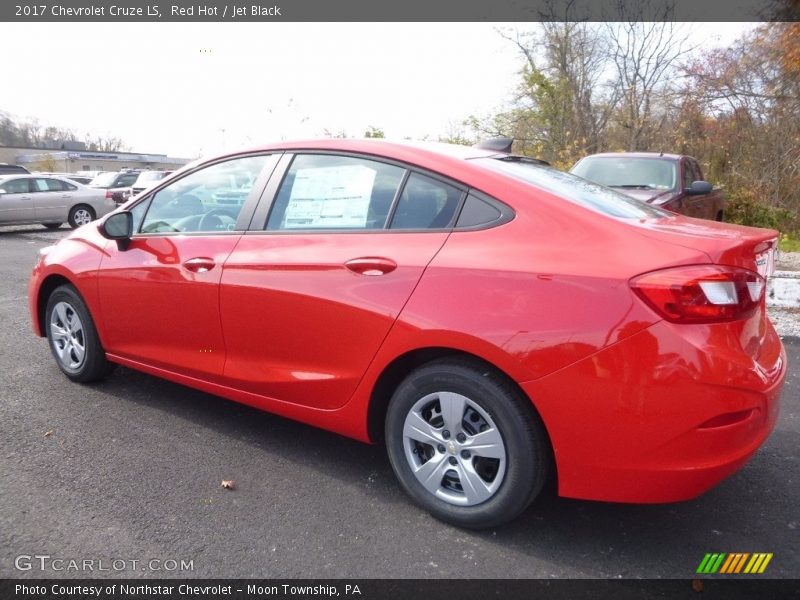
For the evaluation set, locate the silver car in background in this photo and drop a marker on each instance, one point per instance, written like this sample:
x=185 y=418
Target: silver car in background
x=50 y=200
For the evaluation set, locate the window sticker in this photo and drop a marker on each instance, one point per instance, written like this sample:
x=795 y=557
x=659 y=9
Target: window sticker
x=325 y=197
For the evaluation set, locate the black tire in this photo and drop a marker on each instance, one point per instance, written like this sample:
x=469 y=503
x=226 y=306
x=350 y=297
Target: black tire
x=64 y=313
x=52 y=225
x=78 y=214
x=490 y=403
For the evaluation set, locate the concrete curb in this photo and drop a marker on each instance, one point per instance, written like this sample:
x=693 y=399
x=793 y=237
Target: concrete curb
x=783 y=289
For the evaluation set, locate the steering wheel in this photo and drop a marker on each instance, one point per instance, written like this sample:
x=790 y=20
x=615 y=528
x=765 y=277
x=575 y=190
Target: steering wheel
x=211 y=220
x=158 y=227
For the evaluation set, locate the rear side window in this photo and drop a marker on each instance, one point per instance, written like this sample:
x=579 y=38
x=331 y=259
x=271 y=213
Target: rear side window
x=477 y=212
x=324 y=191
x=426 y=203
x=52 y=185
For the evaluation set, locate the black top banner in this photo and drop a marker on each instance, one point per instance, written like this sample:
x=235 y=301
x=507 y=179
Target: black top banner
x=407 y=10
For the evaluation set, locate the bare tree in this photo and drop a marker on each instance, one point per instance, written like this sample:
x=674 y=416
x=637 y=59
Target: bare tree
x=105 y=144
x=564 y=104
x=645 y=50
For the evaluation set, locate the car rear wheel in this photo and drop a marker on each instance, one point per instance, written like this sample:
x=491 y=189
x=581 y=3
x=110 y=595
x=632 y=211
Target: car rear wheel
x=73 y=338
x=80 y=215
x=52 y=225
x=465 y=444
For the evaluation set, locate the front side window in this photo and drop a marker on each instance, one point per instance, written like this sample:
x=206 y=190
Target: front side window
x=208 y=200
x=325 y=191
x=697 y=174
x=688 y=174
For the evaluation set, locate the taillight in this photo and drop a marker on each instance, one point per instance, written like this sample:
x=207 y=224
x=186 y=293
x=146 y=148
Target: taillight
x=109 y=195
x=701 y=293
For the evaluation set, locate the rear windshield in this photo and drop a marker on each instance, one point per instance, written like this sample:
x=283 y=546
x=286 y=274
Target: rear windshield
x=629 y=172
x=575 y=189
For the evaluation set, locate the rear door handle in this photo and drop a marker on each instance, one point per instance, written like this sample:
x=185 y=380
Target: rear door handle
x=371 y=265
x=200 y=264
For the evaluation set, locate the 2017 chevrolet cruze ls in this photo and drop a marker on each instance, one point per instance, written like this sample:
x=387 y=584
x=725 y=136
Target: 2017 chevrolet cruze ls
x=493 y=320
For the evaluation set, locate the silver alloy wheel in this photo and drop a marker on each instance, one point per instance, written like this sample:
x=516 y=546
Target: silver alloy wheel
x=454 y=448
x=67 y=337
x=82 y=216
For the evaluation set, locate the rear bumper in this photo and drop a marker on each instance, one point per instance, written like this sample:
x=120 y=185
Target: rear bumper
x=661 y=416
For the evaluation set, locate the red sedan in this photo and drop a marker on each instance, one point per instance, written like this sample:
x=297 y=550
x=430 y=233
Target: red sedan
x=492 y=320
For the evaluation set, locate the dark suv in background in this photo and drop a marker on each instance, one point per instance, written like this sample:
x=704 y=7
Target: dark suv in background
x=117 y=183
x=6 y=169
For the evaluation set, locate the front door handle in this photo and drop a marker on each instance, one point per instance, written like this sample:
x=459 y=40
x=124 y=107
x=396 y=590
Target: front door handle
x=200 y=264
x=371 y=265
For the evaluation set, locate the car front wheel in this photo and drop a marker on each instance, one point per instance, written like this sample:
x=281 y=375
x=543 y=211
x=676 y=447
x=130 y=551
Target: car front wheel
x=465 y=444
x=73 y=338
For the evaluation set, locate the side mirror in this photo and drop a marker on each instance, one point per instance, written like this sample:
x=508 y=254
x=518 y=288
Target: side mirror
x=118 y=226
x=699 y=188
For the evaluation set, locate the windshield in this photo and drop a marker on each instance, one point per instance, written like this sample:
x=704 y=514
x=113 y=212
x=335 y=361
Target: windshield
x=627 y=172
x=575 y=189
x=149 y=177
x=104 y=179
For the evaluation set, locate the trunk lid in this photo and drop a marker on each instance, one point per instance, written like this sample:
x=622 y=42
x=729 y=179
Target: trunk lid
x=751 y=248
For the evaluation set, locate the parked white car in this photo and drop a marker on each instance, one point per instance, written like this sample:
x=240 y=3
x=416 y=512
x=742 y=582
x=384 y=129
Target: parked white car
x=50 y=200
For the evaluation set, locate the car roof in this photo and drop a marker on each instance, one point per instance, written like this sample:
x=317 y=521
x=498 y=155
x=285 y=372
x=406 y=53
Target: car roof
x=636 y=155
x=422 y=153
x=450 y=160
x=382 y=147
x=35 y=176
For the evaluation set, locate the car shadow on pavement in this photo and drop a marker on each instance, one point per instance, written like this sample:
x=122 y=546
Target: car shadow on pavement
x=746 y=513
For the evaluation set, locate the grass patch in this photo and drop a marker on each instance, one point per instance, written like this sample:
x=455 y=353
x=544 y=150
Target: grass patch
x=789 y=244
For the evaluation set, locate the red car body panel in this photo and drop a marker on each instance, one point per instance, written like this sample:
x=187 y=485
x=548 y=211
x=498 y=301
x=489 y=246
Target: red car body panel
x=175 y=306
x=271 y=281
x=654 y=398
x=637 y=409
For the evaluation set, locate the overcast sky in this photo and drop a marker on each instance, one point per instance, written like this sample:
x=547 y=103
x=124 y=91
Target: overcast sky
x=173 y=88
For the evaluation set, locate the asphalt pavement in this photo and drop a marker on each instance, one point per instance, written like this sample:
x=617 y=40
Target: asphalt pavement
x=129 y=469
